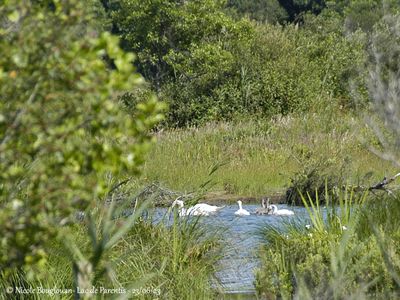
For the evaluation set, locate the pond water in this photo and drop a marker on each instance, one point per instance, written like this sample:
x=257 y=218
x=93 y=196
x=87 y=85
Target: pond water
x=241 y=243
x=243 y=240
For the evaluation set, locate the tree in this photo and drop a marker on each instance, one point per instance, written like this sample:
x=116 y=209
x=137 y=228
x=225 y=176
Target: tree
x=185 y=50
x=62 y=131
x=269 y=11
x=164 y=33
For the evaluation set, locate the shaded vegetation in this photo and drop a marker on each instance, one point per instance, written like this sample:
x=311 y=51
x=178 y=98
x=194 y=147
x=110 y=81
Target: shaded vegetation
x=215 y=67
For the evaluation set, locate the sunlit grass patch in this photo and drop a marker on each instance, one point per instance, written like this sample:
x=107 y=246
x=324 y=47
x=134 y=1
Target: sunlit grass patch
x=263 y=156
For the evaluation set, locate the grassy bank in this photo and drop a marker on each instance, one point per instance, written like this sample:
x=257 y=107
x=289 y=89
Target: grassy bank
x=262 y=156
x=152 y=260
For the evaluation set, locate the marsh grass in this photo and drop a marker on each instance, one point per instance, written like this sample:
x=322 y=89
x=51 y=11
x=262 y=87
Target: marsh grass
x=348 y=252
x=336 y=214
x=172 y=257
x=182 y=256
x=262 y=156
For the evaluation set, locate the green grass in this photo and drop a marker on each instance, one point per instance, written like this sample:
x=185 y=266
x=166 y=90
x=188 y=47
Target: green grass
x=328 y=261
x=262 y=156
x=175 y=261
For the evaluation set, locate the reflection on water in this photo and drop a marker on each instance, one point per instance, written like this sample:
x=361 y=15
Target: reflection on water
x=242 y=241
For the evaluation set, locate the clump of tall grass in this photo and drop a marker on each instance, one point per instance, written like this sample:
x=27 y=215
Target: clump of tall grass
x=182 y=257
x=320 y=172
x=172 y=257
x=340 y=251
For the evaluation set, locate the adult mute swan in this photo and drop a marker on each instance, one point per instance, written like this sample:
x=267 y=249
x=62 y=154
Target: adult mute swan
x=265 y=207
x=200 y=209
x=241 y=211
x=281 y=212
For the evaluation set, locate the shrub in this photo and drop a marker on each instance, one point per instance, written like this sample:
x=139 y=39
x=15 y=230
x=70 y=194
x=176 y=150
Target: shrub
x=63 y=134
x=220 y=68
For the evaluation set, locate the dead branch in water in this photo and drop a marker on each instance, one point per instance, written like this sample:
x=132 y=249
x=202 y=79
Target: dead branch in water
x=378 y=186
x=382 y=185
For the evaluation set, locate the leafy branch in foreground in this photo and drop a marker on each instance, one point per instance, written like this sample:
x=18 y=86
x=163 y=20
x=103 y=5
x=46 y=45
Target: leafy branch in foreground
x=62 y=133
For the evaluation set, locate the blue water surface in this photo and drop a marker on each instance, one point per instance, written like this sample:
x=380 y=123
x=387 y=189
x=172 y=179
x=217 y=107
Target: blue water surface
x=241 y=240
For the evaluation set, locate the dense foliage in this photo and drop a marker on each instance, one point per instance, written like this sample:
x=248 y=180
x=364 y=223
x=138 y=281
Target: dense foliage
x=210 y=66
x=356 y=14
x=63 y=134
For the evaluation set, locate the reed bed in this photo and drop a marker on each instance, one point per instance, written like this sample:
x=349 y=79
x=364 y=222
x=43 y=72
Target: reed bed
x=261 y=157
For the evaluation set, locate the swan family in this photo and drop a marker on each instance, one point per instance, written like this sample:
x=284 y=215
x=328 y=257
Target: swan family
x=203 y=209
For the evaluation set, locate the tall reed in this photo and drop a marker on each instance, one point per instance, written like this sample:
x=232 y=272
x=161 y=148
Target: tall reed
x=337 y=252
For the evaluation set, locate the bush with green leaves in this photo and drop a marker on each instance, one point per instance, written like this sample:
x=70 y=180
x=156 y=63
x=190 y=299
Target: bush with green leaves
x=276 y=70
x=63 y=133
x=210 y=66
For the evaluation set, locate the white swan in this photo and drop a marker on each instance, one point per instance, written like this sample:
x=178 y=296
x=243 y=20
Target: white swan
x=182 y=211
x=281 y=212
x=200 y=209
x=241 y=211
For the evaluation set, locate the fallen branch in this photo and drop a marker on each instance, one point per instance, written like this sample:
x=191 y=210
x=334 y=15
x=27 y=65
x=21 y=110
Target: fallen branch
x=378 y=186
x=382 y=185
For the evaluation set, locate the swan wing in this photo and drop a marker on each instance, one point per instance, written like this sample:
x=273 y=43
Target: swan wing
x=285 y=212
x=242 y=212
x=196 y=211
x=206 y=207
x=192 y=211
